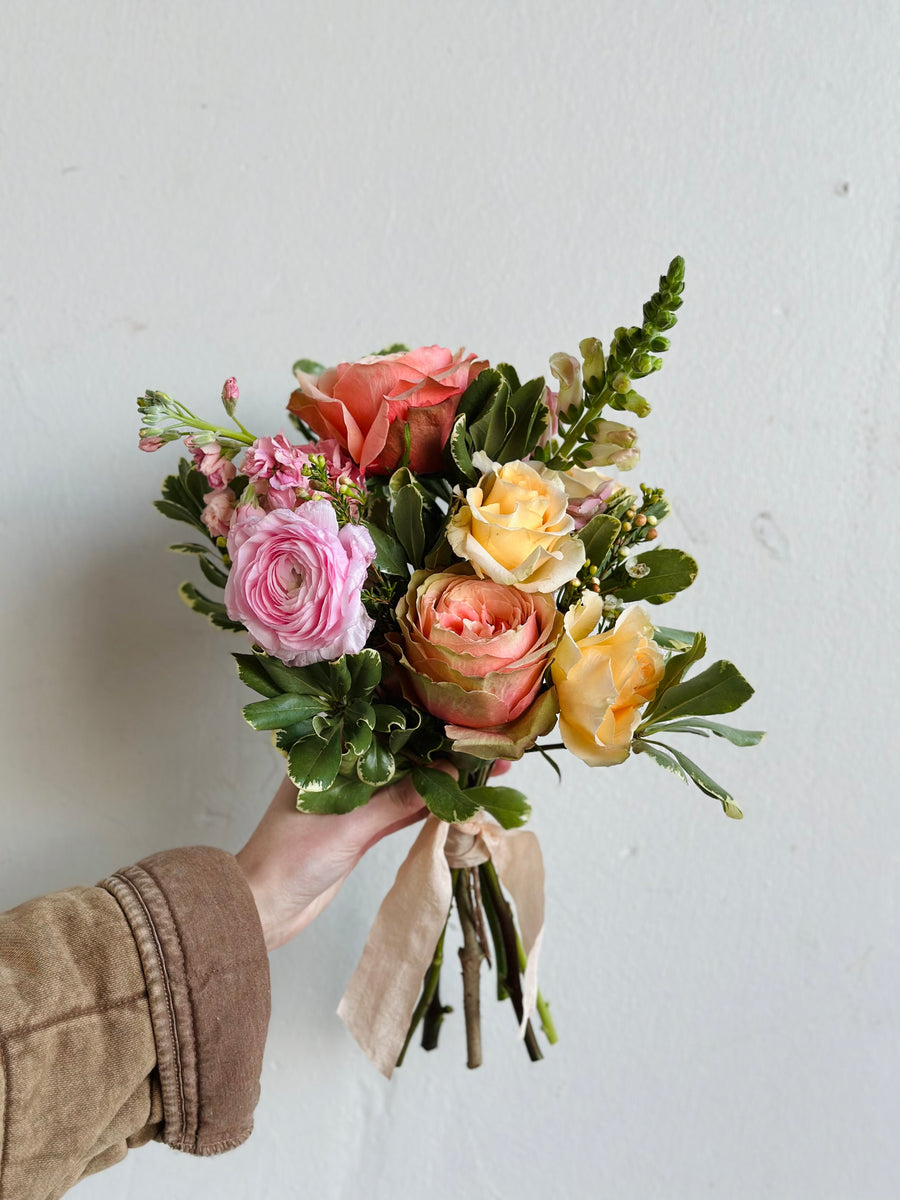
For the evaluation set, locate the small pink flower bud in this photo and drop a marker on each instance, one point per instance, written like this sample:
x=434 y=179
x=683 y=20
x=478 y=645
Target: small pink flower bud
x=150 y=444
x=230 y=395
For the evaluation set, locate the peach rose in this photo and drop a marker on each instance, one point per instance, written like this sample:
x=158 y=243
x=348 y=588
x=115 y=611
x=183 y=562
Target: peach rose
x=365 y=405
x=604 y=680
x=475 y=653
x=514 y=527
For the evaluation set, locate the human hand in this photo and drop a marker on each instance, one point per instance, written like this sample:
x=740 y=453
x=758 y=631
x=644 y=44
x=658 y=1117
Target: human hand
x=296 y=862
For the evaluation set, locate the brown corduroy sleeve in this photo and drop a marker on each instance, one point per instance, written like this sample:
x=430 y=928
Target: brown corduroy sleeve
x=128 y=1011
x=202 y=949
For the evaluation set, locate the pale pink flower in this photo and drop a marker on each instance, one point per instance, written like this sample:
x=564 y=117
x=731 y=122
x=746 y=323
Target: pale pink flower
x=217 y=514
x=296 y=581
x=245 y=518
x=149 y=444
x=210 y=460
x=279 y=470
x=230 y=391
x=589 y=492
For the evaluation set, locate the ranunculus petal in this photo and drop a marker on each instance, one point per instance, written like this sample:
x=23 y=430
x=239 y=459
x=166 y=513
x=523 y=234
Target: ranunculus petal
x=295 y=582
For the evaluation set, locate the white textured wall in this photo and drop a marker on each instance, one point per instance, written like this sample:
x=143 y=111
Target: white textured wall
x=193 y=191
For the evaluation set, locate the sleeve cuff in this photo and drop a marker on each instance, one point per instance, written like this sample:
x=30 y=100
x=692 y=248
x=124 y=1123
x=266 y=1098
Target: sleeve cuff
x=204 y=958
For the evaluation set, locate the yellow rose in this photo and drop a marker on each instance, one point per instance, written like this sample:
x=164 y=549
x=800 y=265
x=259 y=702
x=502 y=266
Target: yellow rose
x=604 y=680
x=514 y=527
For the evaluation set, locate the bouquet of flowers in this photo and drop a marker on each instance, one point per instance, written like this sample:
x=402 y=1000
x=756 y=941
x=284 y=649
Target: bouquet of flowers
x=444 y=570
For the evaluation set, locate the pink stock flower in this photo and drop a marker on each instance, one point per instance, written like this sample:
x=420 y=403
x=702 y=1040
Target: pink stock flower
x=367 y=405
x=210 y=461
x=149 y=444
x=217 y=514
x=589 y=491
x=230 y=391
x=296 y=583
x=475 y=652
x=279 y=471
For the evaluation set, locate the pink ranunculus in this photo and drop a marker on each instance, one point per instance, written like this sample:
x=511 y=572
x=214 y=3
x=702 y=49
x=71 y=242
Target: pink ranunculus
x=475 y=651
x=218 y=512
x=367 y=405
x=245 y=518
x=296 y=581
x=210 y=461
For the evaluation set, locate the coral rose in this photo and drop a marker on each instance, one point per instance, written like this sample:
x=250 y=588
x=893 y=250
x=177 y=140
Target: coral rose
x=604 y=680
x=475 y=653
x=366 y=405
x=514 y=527
x=296 y=581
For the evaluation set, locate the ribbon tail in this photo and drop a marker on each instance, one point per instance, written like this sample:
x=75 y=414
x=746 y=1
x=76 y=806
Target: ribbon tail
x=516 y=854
x=381 y=997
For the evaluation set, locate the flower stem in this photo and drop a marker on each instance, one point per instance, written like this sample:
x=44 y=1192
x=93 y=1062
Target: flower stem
x=429 y=992
x=496 y=901
x=470 y=956
x=591 y=412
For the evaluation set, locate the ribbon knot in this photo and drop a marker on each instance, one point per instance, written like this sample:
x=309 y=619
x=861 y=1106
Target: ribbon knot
x=380 y=998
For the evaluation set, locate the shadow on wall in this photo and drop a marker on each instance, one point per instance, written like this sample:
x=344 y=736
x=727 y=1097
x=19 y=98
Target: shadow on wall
x=124 y=720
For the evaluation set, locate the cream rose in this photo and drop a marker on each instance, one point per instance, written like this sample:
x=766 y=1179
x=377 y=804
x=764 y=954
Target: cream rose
x=514 y=527
x=604 y=680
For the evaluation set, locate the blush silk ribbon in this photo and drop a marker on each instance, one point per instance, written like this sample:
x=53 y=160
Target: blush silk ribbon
x=379 y=1001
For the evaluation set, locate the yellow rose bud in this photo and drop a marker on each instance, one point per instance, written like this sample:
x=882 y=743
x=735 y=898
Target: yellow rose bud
x=514 y=527
x=604 y=680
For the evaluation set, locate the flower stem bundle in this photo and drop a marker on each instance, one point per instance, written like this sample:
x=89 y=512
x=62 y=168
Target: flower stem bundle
x=447 y=572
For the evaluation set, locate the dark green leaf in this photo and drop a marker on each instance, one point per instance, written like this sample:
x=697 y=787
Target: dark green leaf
x=409 y=524
x=509 y=806
x=377 y=765
x=342 y=797
x=313 y=764
x=282 y=710
x=195 y=485
x=189 y=548
x=251 y=671
x=706 y=784
x=365 y=671
x=303 y=681
x=676 y=667
x=178 y=512
x=528 y=418
x=660 y=756
x=459 y=450
x=510 y=374
x=598 y=536
x=209 y=608
x=477 y=395
x=721 y=688
x=671 y=571
x=737 y=737
x=387 y=718
x=284 y=739
x=389 y=554
x=673 y=639
x=442 y=795
x=357 y=736
x=213 y=574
